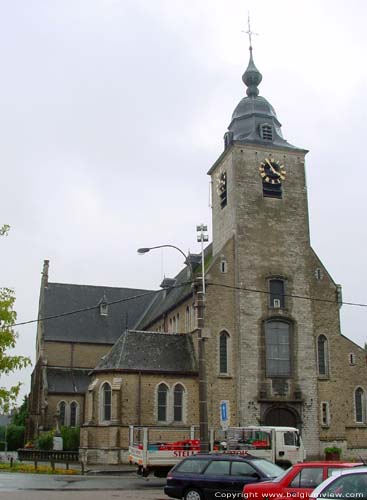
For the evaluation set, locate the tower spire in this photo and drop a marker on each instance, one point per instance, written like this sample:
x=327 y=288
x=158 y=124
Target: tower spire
x=252 y=76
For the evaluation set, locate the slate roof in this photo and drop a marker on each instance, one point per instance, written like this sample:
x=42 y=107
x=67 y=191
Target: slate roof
x=67 y=381
x=151 y=352
x=169 y=298
x=90 y=326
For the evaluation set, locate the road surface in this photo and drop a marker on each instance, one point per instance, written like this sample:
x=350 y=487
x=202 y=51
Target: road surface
x=16 y=486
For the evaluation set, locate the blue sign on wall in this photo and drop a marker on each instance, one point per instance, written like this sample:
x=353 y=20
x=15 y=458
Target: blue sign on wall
x=224 y=411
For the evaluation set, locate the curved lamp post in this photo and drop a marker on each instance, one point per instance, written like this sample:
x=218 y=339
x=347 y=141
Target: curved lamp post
x=199 y=292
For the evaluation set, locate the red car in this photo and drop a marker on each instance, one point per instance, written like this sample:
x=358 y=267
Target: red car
x=298 y=481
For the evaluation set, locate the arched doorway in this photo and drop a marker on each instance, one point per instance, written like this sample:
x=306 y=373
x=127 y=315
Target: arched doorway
x=281 y=416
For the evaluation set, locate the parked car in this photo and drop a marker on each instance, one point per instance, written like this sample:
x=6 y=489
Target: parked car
x=204 y=477
x=298 y=481
x=344 y=484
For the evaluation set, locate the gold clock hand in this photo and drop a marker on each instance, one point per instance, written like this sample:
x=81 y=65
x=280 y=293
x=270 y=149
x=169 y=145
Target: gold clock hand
x=275 y=172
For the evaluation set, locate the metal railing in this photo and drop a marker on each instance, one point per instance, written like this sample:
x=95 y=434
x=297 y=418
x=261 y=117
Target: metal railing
x=52 y=456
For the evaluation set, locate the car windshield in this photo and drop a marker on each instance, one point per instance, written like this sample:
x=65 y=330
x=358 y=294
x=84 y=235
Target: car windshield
x=267 y=468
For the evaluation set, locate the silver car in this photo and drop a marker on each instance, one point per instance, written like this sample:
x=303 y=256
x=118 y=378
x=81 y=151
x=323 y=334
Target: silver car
x=344 y=484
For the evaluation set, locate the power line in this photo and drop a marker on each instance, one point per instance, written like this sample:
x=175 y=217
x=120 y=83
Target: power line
x=90 y=308
x=231 y=287
x=293 y=296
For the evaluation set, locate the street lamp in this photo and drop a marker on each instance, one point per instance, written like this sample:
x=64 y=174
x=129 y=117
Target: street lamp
x=199 y=296
x=142 y=251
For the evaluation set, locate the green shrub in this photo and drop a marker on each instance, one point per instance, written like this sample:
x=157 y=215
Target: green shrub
x=70 y=436
x=45 y=441
x=15 y=437
x=333 y=449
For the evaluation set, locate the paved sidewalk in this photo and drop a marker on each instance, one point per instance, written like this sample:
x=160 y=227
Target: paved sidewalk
x=146 y=494
x=110 y=469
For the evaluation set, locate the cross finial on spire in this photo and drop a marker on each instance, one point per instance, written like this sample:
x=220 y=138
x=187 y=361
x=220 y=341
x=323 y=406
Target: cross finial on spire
x=249 y=32
x=252 y=76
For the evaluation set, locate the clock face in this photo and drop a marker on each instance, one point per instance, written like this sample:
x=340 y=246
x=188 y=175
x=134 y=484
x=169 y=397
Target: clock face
x=271 y=171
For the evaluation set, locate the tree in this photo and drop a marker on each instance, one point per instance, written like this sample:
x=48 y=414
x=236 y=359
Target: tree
x=20 y=415
x=8 y=363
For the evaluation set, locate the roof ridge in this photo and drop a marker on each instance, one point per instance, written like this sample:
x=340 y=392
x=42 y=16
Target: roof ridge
x=100 y=286
x=157 y=333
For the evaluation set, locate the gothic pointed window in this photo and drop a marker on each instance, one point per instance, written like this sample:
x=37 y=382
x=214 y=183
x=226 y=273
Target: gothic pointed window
x=162 y=402
x=106 y=394
x=322 y=356
x=187 y=319
x=278 y=349
x=223 y=353
x=74 y=411
x=359 y=404
x=62 y=413
x=178 y=403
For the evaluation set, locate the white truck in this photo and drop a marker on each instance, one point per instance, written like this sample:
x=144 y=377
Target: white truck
x=281 y=445
x=157 y=450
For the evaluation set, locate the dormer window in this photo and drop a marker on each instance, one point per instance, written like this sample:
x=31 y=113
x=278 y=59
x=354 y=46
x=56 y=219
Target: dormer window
x=103 y=309
x=266 y=132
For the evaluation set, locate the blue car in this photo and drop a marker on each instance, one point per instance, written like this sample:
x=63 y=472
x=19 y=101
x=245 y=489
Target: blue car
x=204 y=477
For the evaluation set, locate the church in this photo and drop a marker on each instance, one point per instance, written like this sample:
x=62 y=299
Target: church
x=108 y=358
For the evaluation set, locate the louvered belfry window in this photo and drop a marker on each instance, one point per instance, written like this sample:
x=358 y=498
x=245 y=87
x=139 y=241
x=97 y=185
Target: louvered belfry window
x=266 y=132
x=223 y=353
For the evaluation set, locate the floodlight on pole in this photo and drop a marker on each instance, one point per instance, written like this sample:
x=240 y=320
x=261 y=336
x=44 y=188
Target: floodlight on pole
x=199 y=297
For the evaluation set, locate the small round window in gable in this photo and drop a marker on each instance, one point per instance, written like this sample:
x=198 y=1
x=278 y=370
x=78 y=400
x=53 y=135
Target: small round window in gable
x=319 y=274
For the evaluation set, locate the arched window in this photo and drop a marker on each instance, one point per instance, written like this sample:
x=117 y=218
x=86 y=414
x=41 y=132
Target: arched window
x=193 y=317
x=178 y=403
x=62 y=413
x=359 y=403
x=106 y=402
x=74 y=414
x=223 y=352
x=162 y=403
x=187 y=319
x=322 y=356
x=278 y=349
x=276 y=293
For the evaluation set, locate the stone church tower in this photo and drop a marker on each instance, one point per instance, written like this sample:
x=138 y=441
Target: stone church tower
x=274 y=350
x=260 y=203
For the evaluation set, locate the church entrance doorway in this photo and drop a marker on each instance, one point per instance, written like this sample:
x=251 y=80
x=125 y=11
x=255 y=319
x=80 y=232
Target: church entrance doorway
x=279 y=416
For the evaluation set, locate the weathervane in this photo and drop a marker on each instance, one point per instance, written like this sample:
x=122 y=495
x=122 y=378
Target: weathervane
x=249 y=32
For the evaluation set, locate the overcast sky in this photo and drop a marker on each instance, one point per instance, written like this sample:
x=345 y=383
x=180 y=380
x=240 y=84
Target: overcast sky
x=112 y=112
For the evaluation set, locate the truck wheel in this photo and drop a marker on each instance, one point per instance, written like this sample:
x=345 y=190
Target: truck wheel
x=192 y=494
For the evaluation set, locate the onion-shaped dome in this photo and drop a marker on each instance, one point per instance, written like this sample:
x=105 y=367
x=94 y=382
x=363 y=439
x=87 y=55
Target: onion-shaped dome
x=254 y=118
